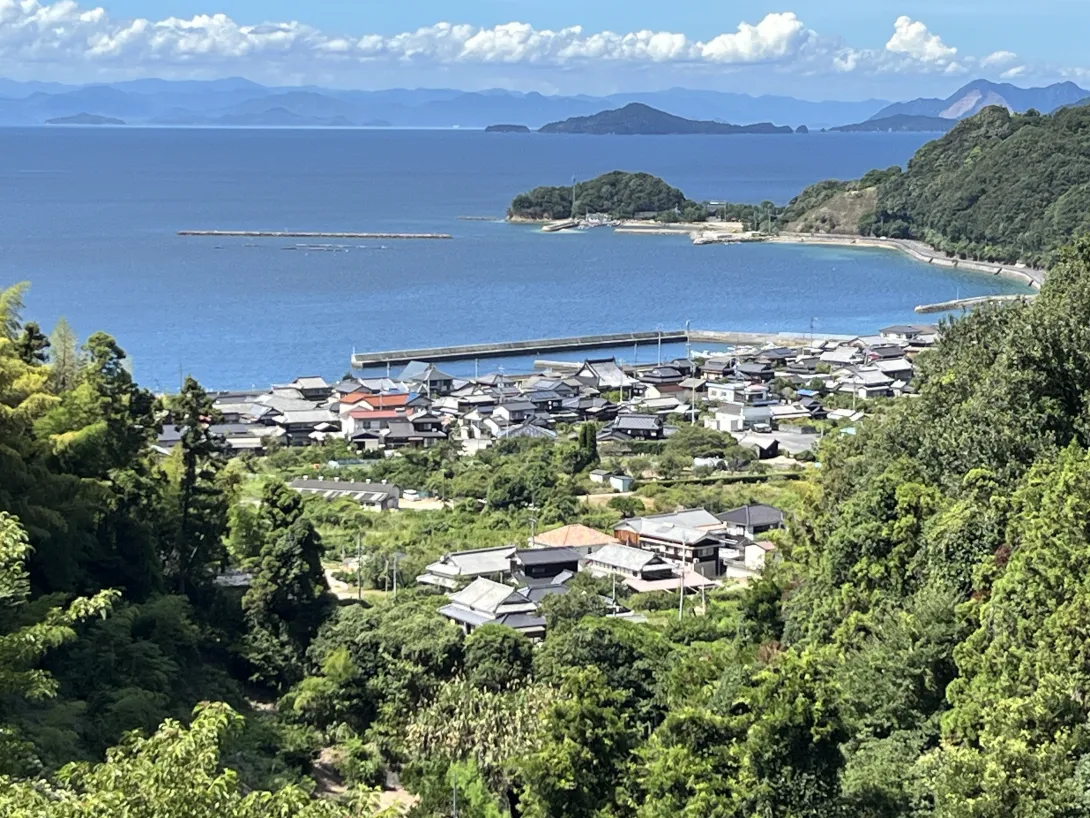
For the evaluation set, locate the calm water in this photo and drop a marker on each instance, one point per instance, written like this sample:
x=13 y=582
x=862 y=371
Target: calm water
x=89 y=217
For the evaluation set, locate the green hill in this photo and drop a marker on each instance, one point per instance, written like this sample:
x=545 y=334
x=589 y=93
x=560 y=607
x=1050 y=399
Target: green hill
x=999 y=187
x=637 y=118
x=618 y=194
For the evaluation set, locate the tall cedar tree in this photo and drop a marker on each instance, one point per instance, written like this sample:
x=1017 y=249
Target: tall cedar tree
x=289 y=597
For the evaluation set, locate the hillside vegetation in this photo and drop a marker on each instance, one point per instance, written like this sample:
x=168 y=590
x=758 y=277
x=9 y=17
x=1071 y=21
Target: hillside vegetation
x=999 y=186
x=917 y=650
x=618 y=194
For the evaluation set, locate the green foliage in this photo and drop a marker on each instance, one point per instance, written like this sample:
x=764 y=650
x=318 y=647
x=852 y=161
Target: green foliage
x=176 y=773
x=288 y=598
x=584 y=750
x=617 y=194
x=497 y=657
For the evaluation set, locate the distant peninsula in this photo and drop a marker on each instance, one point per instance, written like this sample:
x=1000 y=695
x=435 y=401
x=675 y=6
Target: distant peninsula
x=507 y=129
x=637 y=119
x=901 y=123
x=617 y=195
x=84 y=119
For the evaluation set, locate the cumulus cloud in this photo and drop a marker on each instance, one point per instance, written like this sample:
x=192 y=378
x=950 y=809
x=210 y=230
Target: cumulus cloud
x=998 y=58
x=914 y=39
x=1012 y=73
x=63 y=33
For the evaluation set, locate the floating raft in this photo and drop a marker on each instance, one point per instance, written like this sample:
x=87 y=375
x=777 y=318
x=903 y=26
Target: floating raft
x=288 y=234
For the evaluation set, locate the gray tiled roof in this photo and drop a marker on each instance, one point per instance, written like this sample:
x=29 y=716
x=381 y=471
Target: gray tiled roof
x=757 y=514
x=485 y=595
x=624 y=557
x=546 y=556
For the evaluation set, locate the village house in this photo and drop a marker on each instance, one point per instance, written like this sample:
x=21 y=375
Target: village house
x=691 y=537
x=312 y=388
x=604 y=375
x=427 y=379
x=740 y=406
x=576 y=537
x=717 y=368
x=752 y=520
x=628 y=562
x=545 y=563
x=457 y=568
x=754 y=371
x=627 y=427
x=907 y=332
x=484 y=602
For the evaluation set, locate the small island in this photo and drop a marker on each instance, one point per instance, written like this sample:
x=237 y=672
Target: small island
x=616 y=195
x=84 y=119
x=637 y=119
x=507 y=129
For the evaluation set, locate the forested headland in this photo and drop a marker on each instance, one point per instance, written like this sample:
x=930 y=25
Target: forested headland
x=617 y=194
x=998 y=187
x=919 y=649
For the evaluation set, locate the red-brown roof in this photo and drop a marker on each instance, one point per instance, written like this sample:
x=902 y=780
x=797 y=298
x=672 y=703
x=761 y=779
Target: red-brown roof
x=573 y=535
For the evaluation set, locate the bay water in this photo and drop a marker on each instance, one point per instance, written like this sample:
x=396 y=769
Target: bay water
x=90 y=217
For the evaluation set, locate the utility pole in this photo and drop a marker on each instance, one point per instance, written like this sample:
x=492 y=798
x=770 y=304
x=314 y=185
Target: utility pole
x=660 y=344
x=688 y=342
x=359 y=567
x=681 y=591
x=397 y=555
x=573 y=196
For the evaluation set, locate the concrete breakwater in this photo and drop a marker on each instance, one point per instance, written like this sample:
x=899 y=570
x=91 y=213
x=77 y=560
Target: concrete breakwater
x=290 y=234
x=501 y=349
x=967 y=303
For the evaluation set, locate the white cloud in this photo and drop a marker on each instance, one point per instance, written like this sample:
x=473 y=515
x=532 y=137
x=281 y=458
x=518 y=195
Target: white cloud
x=914 y=39
x=1012 y=73
x=36 y=37
x=998 y=58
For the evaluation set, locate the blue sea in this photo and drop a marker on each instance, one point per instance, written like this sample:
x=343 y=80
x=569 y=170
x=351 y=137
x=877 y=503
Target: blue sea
x=89 y=216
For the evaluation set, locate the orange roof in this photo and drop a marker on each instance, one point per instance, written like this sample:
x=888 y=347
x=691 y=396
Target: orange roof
x=354 y=398
x=573 y=536
x=387 y=401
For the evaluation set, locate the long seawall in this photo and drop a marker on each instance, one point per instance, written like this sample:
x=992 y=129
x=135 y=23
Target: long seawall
x=463 y=352
x=292 y=234
x=1030 y=276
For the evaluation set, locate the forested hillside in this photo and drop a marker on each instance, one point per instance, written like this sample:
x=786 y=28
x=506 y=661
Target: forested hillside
x=920 y=649
x=998 y=187
x=618 y=194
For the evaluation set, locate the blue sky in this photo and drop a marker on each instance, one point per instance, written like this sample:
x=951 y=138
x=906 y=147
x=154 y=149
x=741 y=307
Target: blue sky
x=842 y=49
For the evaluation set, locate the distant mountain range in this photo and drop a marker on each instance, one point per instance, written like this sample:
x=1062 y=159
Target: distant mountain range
x=639 y=119
x=241 y=102
x=236 y=101
x=978 y=95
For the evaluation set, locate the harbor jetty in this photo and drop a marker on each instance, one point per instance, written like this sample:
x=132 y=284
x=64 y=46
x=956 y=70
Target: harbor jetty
x=290 y=234
x=969 y=303
x=503 y=348
x=361 y=360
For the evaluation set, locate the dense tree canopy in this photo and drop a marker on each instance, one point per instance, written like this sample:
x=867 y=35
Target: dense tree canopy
x=617 y=194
